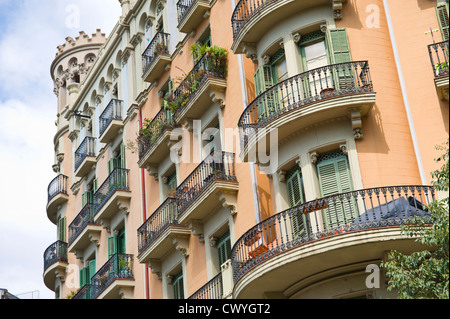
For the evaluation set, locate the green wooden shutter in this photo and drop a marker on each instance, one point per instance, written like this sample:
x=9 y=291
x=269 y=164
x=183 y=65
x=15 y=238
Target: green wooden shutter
x=172 y=181
x=112 y=246
x=265 y=77
x=85 y=277
x=92 y=269
x=122 y=156
x=294 y=186
x=121 y=248
x=339 y=45
x=62 y=229
x=112 y=164
x=335 y=178
x=442 y=14
x=224 y=248
x=94 y=186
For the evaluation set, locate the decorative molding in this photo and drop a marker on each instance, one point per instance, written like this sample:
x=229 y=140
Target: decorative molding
x=296 y=37
x=228 y=200
x=313 y=157
x=181 y=244
x=196 y=227
x=155 y=267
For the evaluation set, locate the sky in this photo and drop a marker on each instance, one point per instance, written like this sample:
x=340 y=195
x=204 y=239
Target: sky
x=30 y=31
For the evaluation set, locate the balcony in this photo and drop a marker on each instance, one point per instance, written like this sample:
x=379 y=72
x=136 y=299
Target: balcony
x=212 y=183
x=328 y=92
x=211 y=290
x=111 y=121
x=191 y=13
x=156 y=57
x=156 y=235
x=83 y=293
x=115 y=279
x=153 y=140
x=322 y=238
x=252 y=19
x=204 y=85
x=112 y=196
x=55 y=263
x=439 y=61
x=85 y=157
x=83 y=230
x=57 y=195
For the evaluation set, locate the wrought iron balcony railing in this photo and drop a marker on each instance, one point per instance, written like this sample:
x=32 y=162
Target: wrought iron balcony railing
x=330 y=216
x=117 y=180
x=165 y=215
x=84 y=218
x=56 y=252
x=206 y=67
x=217 y=166
x=308 y=87
x=117 y=266
x=211 y=290
x=83 y=293
x=158 y=46
x=161 y=122
x=86 y=148
x=56 y=186
x=244 y=11
x=183 y=7
x=113 y=111
x=439 y=58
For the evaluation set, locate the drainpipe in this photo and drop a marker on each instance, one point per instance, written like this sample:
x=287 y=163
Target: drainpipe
x=144 y=211
x=245 y=103
x=404 y=93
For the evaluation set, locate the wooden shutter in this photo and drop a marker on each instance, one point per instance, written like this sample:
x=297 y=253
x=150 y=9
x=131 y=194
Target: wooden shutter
x=112 y=164
x=442 y=14
x=224 y=248
x=335 y=178
x=94 y=186
x=121 y=248
x=265 y=77
x=62 y=229
x=340 y=52
x=84 y=276
x=112 y=246
x=122 y=156
x=92 y=269
x=294 y=186
x=178 y=289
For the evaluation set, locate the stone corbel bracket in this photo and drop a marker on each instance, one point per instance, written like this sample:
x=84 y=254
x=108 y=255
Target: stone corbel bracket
x=229 y=200
x=196 y=227
x=181 y=244
x=355 y=116
x=218 y=96
x=155 y=267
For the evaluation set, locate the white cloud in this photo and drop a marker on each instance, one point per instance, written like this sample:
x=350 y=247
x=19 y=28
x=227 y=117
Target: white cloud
x=28 y=38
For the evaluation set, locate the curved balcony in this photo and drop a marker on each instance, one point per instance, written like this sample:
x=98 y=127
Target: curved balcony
x=56 y=196
x=112 y=196
x=252 y=19
x=153 y=142
x=110 y=121
x=85 y=157
x=211 y=290
x=55 y=263
x=191 y=13
x=299 y=247
x=83 y=230
x=156 y=57
x=204 y=84
x=155 y=236
x=440 y=62
x=343 y=89
x=115 y=279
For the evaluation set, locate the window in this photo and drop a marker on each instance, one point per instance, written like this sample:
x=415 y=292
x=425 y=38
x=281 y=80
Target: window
x=334 y=178
x=62 y=229
x=116 y=243
x=87 y=273
x=224 y=247
x=172 y=181
x=178 y=288
x=294 y=184
x=119 y=161
x=442 y=15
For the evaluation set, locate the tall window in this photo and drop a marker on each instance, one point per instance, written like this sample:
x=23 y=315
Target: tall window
x=335 y=178
x=224 y=247
x=178 y=288
x=294 y=184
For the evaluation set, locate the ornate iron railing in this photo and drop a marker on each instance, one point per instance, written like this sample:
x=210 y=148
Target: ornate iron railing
x=244 y=11
x=117 y=180
x=117 y=266
x=330 y=216
x=206 y=67
x=113 y=111
x=308 y=87
x=165 y=215
x=439 y=58
x=183 y=7
x=56 y=186
x=158 y=46
x=86 y=148
x=84 y=218
x=211 y=290
x=161 y=122
x=54 y=253
x=83 y=293
x=217 y=166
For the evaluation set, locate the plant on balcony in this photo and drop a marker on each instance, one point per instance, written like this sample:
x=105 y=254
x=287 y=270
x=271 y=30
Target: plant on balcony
x=441 y=67
x=425 y=274
x=160 y=48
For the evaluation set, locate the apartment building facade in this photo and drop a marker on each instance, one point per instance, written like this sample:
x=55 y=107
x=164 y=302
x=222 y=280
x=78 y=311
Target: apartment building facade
x=244 y=149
